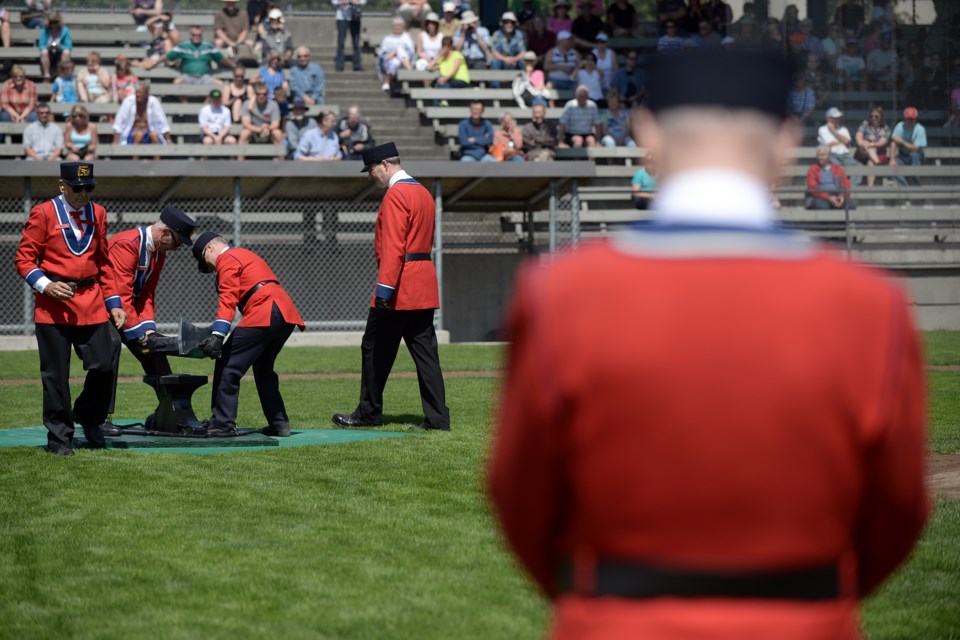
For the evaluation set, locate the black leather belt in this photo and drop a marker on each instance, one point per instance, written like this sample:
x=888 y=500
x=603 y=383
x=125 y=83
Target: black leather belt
x=416 y=257
x=246 y=297
x=637 y=581
x=81 y=283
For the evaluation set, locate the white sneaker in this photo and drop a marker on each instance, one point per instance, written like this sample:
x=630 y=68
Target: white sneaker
x=385 y=87
x=141 y=28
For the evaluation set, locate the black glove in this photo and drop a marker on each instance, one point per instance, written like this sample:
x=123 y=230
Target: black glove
x=212 y=346
x=383 y=305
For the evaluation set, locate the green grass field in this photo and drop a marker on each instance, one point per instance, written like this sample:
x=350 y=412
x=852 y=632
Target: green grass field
x=381 y=539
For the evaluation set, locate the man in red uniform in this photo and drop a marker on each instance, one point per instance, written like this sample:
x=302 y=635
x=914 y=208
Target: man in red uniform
x=744 y=456
x=405 y=297
x=246 y=284
x=137 y=257
x=63 y=255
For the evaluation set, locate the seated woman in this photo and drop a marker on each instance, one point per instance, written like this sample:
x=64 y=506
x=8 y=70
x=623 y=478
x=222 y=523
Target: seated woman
x=271 y=74
x=873 y=139
x=452 y=67
x=238 y=92
x=94 y=81
x=164 y=38
x=429 y=43
x=396 y=51
x=508 y=141
x=80 y=136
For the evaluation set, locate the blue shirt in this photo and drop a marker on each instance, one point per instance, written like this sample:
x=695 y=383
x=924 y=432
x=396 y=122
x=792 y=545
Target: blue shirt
x=628 y=83
x=65 y=89
x=316 y=144
x=307 y=81
x=646 y=181
x=272 y=79
x=482 y=133
x=917 y=136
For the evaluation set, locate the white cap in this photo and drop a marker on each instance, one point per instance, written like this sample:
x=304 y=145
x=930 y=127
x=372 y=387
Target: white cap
x=508 y=15
x=833 y=112
x=275 y=14
x=469 y=17
x=449 y=7
x=564 y=35
x=602 y=37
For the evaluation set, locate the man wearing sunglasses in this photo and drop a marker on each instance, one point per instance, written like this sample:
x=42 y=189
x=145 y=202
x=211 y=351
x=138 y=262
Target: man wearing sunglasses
x=137 y=257
x=63 y=256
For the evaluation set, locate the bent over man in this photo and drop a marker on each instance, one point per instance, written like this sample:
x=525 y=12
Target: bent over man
x=63 y=255
x=405 y=297
x=747 y=460
x=246 y=284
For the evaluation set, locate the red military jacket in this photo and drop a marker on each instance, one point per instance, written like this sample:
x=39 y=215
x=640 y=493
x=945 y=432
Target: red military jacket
x=49 y=247
x=405 y=225
x=238 y=271
x=755 y=409
x=134 y=271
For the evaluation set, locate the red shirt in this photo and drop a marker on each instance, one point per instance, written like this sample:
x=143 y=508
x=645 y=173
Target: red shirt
x=23 y=101
x=134 y=271
x=238 y=271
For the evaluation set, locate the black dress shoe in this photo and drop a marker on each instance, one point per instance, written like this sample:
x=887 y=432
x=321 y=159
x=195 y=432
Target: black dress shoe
x=94 y=438
x=278 y=432
x=59 y=450
x=110 y=429
x=423 y=426
x=350 y=420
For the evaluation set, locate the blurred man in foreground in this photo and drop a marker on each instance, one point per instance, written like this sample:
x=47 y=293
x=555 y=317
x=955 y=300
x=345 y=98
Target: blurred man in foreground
x=747 y=459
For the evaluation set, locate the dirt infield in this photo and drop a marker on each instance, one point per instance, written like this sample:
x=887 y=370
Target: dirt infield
x=943 y=474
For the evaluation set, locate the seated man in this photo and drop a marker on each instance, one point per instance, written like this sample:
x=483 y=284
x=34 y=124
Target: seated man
x=196 y=59
x=579 y=121
x=215 y=121
x=355 y=135
x=475 y=136
x=231 y=28
x=297 y=126
x=561 y=62
x=508 y=44
x=835 y=135
x=321 y=144
x=42 y=139
x=307 y=80
x=260 y=118
x=907 y=144
x=140 y=119
x=630 y=81
x=827 y=184
x=539 y=136
x=472 y=39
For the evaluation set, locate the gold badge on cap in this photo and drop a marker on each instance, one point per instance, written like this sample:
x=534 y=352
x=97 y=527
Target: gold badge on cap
x=83 y=170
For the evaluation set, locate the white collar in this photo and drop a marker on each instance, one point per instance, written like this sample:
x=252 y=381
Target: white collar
x=714 y=196
x=399 y=175
x=149 y=233
x=227 y=248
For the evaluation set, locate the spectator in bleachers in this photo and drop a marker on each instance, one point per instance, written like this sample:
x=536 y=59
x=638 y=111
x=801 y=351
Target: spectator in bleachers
x=321 y=144
x=475 y=135
x=80 y=138
x=812 y=45
x=850 y=16
x=282 y=97
x=94 y=81
x=396 y=51
x=674 y=11
x=164 y=38
x=307 y=80
x=615 y=123
x=143 y=10
x=65 y=88
x=540 y=39
x=257 y=11
x=590 y=77
x=55 y=43
x=539 y=136
x=622 y=19
x=669 y=42
x=953 y=118
x=749 y=30
x=561 y=63
x=835 y=135
x=42 y=139
x=851 y=66
x=908 y=144
x=802 y=99
x=472 y=40
x=882 y=64
x=931 y=86
x=271 y=73
x=231 y=29
x=606 y=60
x=215 y=121
x=348 y=14
x=260 y=118
x=530 y=87
x=297 y=125
x=124 y=81
x=560 y=20
x=630 y=82
x=18 y=97
x=275 y=37
x=141 y=119
x=237 y=92
x=643 y=186
x=355 y=134
x=834 y=44
x=827 y=184
x=719 y=15
x=790 y=23
x=429 y=44
x=873 y=138
x=413 y=11
x=196 y=60
x=585 y=28
x=706 y=36
x=580 y=121
x=525 y=15
x=691 y=25
x=4 y=27
x=451 y=67
x=507 y=45
x=507 y=141
x=34 y=13
x=450 y=22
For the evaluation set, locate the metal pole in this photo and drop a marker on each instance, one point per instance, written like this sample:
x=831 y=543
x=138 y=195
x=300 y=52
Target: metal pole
x=553 y=216
x=438 y=246
x=236 y=212
x=574 y=213
x=27 y=289
x=846 y=224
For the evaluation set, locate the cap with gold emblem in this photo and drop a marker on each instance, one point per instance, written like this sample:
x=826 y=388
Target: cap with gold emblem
x=77 y=173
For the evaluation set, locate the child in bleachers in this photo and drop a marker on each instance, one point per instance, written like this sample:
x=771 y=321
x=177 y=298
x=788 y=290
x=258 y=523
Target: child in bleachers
x=124 y=81
x=64 y=88
x=94 y=81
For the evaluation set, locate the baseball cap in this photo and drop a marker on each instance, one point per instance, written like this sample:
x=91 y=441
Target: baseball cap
x=275 y=14
x=449 y=7
x=602 y=37
x=564 y=35
x=215 y=93
x=833 y=112
x=298 y=103
x=910 y=113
